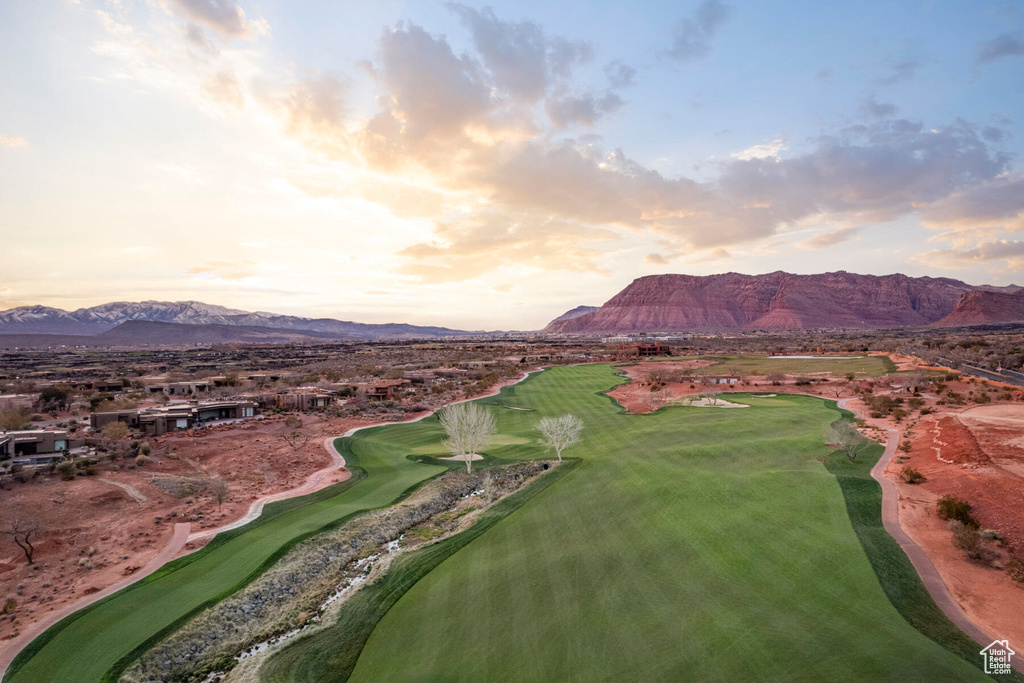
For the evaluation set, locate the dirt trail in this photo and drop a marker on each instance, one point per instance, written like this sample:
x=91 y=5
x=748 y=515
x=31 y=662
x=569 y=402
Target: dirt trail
x=128 y=488
x=182 y=535
x=922 y=563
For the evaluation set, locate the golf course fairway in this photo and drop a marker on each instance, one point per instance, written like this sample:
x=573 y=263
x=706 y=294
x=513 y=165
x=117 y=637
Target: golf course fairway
x=689 y=544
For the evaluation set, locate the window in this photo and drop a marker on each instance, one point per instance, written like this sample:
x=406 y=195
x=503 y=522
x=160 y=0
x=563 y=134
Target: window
x=182 y=423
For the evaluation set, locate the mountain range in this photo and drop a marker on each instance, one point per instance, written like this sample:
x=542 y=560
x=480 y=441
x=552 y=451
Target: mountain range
x=170 y=322
x=782 y=301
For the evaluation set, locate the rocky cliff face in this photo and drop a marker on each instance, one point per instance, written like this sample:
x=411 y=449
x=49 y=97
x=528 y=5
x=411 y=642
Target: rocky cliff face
x=981 y=307
x=773 y=301
x=575 y=313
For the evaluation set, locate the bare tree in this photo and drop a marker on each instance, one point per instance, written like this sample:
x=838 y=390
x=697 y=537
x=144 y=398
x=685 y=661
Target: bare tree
x=294 y=434
x=218 y=489
x=559 y=433
x=469 y=428
x=776 y=378
x=21 y=530
x=837 y=388
x=845 y=437
x=710 y=393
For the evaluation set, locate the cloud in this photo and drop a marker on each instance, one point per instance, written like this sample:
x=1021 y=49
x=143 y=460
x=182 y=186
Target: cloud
x=223 y=16
x=765 y=150
x=225 y=270
x=13 y=141
x=829 y=239
x=872 y=109
x=1005 y=45
x=898 y=70
x=581 y=109
x=825 y=74
x=692 y=37
x=996 y=203
x=522 y=60
x=1007 y=252
x=656 y=260
x=619 y=75
x=478 y=243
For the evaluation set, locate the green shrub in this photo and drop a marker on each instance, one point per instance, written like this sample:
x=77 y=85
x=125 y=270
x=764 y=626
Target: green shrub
x=67 y=470
x=911 y=476
x=141 y=460
x=951 y=508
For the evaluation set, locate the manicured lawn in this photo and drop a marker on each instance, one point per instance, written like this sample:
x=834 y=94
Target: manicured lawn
x=868 y=366
x=85 y=646
x=690 y=544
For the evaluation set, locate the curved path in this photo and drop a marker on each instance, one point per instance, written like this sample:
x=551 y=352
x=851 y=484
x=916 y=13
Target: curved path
x=922 y=563
x=15 y=645
x=182 y=535
x=128 y=488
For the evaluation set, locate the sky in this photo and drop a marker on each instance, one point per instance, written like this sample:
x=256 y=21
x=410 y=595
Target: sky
x=491 y=166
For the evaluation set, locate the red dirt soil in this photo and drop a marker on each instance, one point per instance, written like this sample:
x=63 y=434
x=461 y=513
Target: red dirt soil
x=93 y=533
x=982 y=462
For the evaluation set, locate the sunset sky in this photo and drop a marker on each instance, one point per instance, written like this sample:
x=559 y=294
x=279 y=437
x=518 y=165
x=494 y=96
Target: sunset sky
x=490 y=166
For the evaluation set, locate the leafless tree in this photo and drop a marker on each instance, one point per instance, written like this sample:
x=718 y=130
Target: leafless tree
x=845 y=437
x=710 y=393
x=294 y=434
x=838 y=388
x=776 y=378
x=218 y=490
x=21 y=530
x=559 y=433
x=469 y=427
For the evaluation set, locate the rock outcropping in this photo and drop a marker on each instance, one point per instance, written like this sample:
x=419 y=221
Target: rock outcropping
x=773 y=301
x=982 y=307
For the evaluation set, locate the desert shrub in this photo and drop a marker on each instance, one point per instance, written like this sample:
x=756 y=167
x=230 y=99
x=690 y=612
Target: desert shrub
x=141 y=460
x=905 y=446
x=966 y=538
x=911 y=476
x=144 y=448
x=67 y=470
x=91 y=470
x=951 y=508
x=1015 y=569
x=10 y=605
x=179 y=487
x=981 y=397
x=25 y=474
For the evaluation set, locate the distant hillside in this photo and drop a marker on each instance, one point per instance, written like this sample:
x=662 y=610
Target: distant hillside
x=774 y=301
x=985 y=308
x=575 y=313
x=100 y=319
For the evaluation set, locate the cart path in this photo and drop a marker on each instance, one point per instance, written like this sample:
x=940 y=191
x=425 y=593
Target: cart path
x=182 y=536
x=12 y=647
x=922 y=563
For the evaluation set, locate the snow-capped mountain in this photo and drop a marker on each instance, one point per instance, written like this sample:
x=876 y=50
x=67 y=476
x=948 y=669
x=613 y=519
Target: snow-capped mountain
x=105 y=317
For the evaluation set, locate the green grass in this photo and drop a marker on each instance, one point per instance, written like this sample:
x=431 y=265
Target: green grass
x=103 y=639
x=868 y=366
x=330 y=654
x=893 y=568
x=690 y=544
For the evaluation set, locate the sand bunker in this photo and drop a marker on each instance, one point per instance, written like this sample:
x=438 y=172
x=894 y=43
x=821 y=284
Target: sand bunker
x=707 y=403
x=464 y=458
x=764 y=395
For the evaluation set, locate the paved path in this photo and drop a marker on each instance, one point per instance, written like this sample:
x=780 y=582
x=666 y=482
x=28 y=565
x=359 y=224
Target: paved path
x=181 y=536
x=131 y=490
x=12 y=647
x=922 y=563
